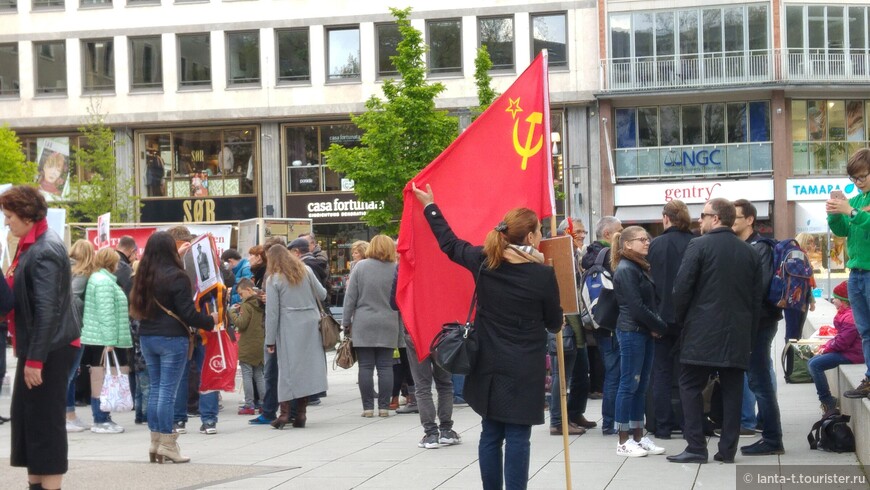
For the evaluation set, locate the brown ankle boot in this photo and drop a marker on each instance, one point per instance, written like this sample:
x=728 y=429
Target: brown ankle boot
x=169 y=450
x=283 y=417
x=301 y=412
x=155 y=443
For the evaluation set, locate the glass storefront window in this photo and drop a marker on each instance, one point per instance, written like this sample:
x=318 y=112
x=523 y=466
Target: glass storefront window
x=243 y=58
x=626 y=128
x=306 y=167
x=388 y=38
x=9 y=79
x=692 y=134
x=293 y=55
x=50 y=64
x=550 y=31
x=146 y=65
x=445 y=46
x=714 y=123
x=198 y=162
x=826 y=133
x=497 y=34
x=343 y=62
x=98 y=65
x=194 y=60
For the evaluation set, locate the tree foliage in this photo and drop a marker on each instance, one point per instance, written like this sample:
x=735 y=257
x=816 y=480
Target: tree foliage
x=99 y=189
x=485 y=93
x=403 y=132
x=14 y=167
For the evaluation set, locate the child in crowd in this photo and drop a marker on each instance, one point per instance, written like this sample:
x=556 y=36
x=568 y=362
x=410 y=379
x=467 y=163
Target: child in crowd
x=248 y=319
x=844 y=348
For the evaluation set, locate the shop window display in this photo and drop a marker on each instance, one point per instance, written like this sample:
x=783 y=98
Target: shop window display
x=306 y=167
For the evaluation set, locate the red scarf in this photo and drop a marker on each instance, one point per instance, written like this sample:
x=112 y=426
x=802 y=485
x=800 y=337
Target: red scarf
x=39 y=228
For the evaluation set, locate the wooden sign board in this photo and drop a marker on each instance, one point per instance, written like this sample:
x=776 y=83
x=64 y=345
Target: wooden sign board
x=559 y=252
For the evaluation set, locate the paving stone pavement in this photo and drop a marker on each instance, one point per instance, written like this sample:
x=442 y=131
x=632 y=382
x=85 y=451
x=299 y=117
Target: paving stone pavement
x=338 y=449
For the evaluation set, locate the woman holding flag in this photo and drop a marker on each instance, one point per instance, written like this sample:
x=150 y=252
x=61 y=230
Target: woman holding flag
x=162 y=300
x=517 y=303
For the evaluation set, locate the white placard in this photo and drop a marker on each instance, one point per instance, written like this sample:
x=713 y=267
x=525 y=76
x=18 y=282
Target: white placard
x=692 y=191
x=103 y=230
x=221 y=234
x=207 y=272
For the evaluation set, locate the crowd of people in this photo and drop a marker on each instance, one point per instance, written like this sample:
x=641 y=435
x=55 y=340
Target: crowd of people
x=690 y=310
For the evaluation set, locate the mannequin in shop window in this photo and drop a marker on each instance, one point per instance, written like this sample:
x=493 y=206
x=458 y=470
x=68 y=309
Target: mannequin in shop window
x=154 y=170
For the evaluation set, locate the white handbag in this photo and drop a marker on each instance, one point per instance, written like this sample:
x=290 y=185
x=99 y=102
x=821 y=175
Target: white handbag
x=115 y=395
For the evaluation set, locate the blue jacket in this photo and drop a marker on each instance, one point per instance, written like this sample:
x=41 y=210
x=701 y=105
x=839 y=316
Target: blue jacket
x=241 y=270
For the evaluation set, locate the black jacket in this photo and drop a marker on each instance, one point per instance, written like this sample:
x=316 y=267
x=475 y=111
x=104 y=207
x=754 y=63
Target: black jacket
x=516 y=305
x=665 y=254
x=592 y=250
x=44 y=317
x=769 y=312
x=124 y=274
x=636 y=295
x=717 y=300
x=176 y=295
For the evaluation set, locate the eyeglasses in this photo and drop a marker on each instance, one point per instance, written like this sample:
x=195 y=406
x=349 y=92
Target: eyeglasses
x=704 y=215
x=642 y=240
x=859 y=180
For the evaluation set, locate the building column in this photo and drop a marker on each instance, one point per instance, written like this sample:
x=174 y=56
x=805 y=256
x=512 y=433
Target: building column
x=783 y=214
x=271 y=177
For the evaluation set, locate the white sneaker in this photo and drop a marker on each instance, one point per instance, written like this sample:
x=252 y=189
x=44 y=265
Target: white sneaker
x=650 y=447
x=630 y=449
x=107 y=428
x=72 y=427
x=81 y=423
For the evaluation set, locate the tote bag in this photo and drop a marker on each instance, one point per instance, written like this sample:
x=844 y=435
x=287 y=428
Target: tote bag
x=115 y=395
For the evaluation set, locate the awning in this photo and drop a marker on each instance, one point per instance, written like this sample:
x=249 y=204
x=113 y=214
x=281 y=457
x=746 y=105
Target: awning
x=652 y=214
x=810 y=217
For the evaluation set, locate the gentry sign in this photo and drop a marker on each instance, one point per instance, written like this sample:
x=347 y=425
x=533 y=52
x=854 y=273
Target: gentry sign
x=692 y=191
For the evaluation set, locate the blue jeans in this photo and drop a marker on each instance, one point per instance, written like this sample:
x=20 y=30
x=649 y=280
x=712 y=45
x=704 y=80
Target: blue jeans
x=748 y=419
x=859 y=298
x=817 y=367
x=555 y=392
x=762 y=383
x=140 y=400
x=100 y=417
x=71 y=381
x=608 y=346
x=270 y=375
x=513 y=469
x=636 y=352
x=166 y=358
x=458 y=385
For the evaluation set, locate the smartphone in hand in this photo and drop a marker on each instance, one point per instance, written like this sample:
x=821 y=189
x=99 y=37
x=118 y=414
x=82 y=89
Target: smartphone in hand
x=838 y=194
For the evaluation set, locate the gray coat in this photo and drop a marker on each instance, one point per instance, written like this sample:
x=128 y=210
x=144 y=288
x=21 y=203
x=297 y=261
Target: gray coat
x=367 y=305
x=292 y=326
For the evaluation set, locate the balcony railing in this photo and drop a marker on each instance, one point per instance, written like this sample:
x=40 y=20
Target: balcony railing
x=733 y=69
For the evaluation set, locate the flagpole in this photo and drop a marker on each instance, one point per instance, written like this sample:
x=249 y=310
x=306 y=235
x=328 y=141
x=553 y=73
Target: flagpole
x=563 y=392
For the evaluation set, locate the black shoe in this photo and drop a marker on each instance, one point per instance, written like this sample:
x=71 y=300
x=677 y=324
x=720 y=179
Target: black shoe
x=3 y=419
x=761 y=448
x=663 y=435
x=687 y=457
x=718 y=457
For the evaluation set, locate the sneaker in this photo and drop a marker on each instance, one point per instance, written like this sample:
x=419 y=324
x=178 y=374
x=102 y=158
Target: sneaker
x=247 y=410
x=81 y=423
x=208 y=428
x=180 y=427
x=609 y=431
x=409 y=408
x=744 y=432
x=261 y=420
x=630 y=449
x=72 y=427
x=650 y=447
x=761 y=448
x=861 y=391
x=107 y=428
x=429 y=441
x=449 y=437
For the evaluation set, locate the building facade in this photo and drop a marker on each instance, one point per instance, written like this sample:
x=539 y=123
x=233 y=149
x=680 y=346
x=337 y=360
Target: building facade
x=758 y=100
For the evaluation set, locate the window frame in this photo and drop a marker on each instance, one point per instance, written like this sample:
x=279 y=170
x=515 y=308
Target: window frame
x=230 y=82
x=321 y=166
x=85 y=70
x=380 y=75
x=181 y=61
x=557 y=65
x=131 y=59
x=300 y=81
x=15 y=92
x=513 y=62
x=445 y=72
x=37 y=53
x=327 y=30
x=46 y=5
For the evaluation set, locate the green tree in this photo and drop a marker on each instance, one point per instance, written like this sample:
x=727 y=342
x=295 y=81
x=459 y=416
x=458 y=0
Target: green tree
x=14 y=167
x=402 y=132
x=485 y=93
x=99 y=188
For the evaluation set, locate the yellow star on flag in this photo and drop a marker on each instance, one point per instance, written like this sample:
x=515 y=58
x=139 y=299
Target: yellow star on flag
x=514 y=107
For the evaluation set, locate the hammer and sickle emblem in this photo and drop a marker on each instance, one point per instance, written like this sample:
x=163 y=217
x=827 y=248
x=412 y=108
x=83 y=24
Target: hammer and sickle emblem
x=528 y=151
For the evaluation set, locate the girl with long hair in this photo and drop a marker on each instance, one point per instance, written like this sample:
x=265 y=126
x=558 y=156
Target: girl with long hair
x=293 y=333
x=81 y=257
x=636 y=326
x=162 y=301
x=517 y=303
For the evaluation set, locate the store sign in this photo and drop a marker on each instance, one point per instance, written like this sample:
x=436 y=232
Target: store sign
x=198 y=210
x=692 y=191
x=330 y=207
x=693 y=158
x=818 y=189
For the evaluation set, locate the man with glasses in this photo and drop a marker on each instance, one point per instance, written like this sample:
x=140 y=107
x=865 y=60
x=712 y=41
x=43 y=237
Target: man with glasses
x=851 y=219
x=717 y=300
x=760 y=372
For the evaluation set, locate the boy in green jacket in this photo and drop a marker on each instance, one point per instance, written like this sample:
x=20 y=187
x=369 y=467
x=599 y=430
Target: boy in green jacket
x=851 y=219
x=248 y=319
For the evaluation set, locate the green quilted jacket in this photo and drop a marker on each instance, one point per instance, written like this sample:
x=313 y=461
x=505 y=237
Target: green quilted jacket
x=106 y=321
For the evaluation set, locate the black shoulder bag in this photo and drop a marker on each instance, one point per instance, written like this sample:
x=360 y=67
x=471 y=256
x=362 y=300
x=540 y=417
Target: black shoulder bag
x=454 y=349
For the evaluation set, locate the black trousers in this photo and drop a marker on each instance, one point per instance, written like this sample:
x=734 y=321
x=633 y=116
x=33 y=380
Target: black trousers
x=664 y=371
x=693 y=379
x=39 y=416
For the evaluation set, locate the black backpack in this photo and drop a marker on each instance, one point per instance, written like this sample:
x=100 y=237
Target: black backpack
x=832 y=434
x=597 y=293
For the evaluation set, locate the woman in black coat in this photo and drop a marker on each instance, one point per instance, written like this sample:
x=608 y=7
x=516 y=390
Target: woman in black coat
x=517 y=303
x=44 y=326
x=636 y=326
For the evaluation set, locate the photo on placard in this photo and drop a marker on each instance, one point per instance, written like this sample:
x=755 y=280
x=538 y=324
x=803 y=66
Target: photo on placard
x=53 y=167
x=207 y=273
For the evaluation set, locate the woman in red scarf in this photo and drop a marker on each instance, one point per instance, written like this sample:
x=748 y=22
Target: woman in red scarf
x=43 y=327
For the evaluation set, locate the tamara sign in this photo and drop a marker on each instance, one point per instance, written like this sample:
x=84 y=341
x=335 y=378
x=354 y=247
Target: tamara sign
x=818 y=189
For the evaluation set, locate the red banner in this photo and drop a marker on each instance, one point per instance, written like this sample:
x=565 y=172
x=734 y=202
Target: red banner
x=140 y=235
x=502 y=161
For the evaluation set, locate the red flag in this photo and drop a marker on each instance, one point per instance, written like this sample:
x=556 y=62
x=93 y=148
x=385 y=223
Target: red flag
x=502 y=161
